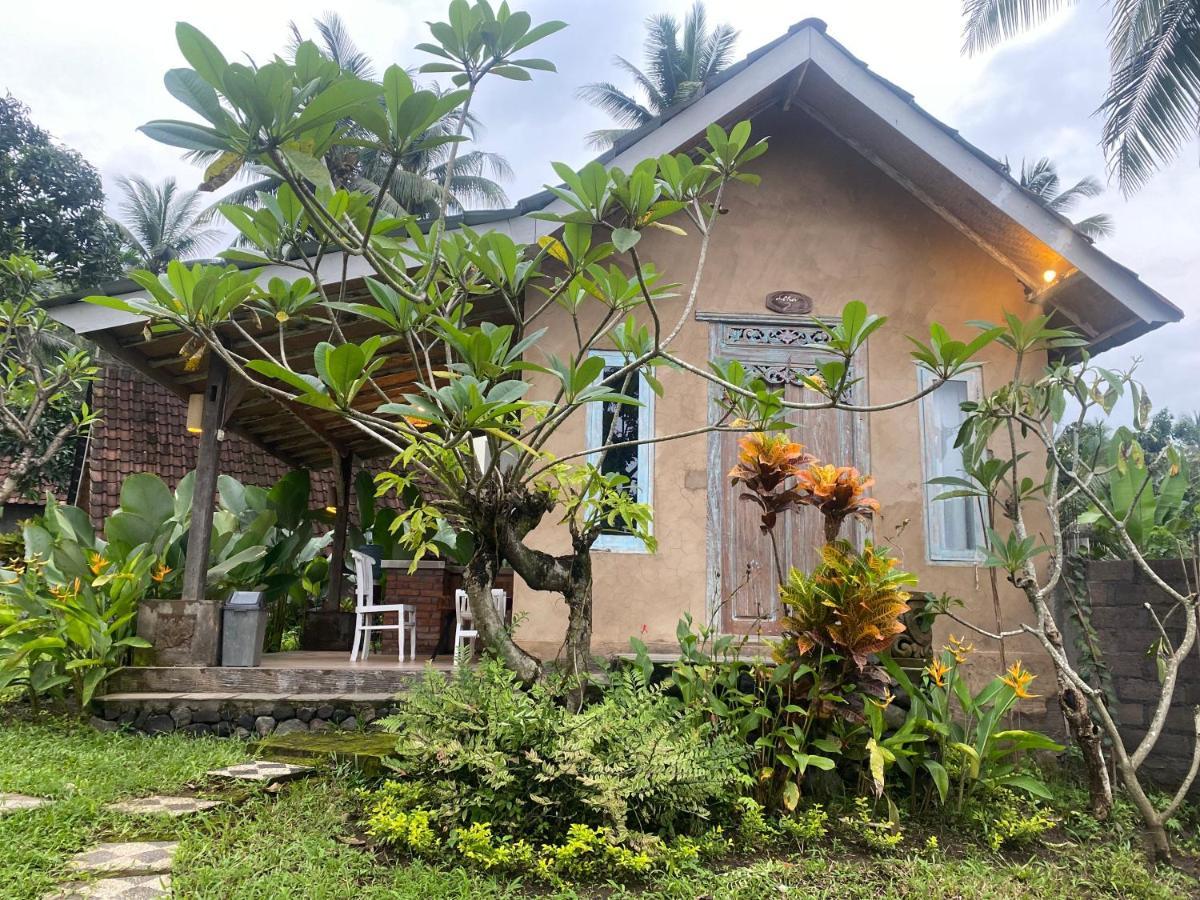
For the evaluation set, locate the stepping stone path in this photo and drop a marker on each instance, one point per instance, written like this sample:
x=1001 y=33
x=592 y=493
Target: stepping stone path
x=135 y=858
x=10 y=803
x=135 y=887
x=164 y=806
x=262 y=770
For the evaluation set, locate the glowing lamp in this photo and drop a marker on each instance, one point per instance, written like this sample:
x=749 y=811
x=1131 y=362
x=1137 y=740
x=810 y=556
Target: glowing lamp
x=195 y=414
x=1049 y=275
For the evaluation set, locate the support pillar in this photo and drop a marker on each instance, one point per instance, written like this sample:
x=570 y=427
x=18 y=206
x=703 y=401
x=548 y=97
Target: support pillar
x=206 y=641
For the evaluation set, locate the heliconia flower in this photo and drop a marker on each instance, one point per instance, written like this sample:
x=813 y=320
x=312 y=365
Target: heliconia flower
x=959 y=649
x=96 y=562
x=161 y=571
x=937 y=671
x=1019 y=678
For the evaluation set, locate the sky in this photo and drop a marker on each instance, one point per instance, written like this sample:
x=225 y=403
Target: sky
x=92 y=73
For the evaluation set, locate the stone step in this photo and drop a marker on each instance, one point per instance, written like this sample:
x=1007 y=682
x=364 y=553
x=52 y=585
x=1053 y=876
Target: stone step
x=275 y=681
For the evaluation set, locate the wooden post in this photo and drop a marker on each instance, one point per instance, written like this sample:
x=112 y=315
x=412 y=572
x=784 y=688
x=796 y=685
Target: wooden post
x=206 y=641
x=341 y=524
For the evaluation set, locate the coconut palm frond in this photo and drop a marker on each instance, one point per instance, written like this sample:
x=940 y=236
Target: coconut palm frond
x=604 y=138
x=677 y=63
x=988 y=22
x=1084 y=188
x=1153 y=102
x=657 y=95
x=616 y=103
x=664 y=58
x=336 y=44
x=1095 y=227
x=163 y=223
x=1041 y=179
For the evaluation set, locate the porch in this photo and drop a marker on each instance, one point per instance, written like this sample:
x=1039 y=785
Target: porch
x=300 y=691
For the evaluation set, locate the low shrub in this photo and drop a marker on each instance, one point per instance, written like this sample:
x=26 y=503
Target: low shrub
x=1007 y=821
x=585 y=853
x=476 y=747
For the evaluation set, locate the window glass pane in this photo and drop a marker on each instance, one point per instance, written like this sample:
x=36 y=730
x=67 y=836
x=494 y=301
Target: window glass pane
x=623 y=460
x=954 y=529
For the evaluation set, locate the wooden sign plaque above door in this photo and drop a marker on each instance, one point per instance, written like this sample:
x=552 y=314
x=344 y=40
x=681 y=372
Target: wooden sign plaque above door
x=789 y=303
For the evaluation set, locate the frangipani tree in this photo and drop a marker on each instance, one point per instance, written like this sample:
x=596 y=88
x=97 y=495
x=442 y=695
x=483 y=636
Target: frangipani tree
x=469 y=309
x=1123 y=488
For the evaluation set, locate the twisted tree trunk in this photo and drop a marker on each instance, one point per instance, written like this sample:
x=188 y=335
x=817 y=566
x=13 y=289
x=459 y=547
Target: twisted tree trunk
x=478 y=578
x=569 y=575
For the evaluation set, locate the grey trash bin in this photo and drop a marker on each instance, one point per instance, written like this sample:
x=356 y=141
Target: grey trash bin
x=243 y=627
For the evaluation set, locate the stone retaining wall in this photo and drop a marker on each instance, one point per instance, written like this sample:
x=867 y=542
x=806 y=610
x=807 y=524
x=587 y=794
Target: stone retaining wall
x=239 y=718
x=1119 y=592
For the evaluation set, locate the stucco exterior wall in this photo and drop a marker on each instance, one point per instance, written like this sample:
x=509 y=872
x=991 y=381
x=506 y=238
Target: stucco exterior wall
x=827 y=223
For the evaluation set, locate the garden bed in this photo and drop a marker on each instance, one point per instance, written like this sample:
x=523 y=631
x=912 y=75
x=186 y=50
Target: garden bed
x=303 y=840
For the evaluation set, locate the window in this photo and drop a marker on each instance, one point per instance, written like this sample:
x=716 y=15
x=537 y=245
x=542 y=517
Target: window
x=953 y=528
x=633 y=423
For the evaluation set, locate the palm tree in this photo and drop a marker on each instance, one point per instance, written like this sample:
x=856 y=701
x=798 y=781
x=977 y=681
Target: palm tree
x=1041 y=179
x=1152 y=107
x=676 y=69
x=161 y=222
x=416 y=185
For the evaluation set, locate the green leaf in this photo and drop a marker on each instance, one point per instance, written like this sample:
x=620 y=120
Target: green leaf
x=1027 y=783
x=625 y=239
x=337 y=101
x=941 y=779
x=201 y=53
x=186 y=86
x=185 y=135
x=308 y=167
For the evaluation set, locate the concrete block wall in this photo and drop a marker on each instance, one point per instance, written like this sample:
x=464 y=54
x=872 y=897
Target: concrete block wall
x=1119 y=592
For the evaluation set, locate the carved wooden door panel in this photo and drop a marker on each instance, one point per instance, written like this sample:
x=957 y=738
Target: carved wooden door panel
x=745 y=581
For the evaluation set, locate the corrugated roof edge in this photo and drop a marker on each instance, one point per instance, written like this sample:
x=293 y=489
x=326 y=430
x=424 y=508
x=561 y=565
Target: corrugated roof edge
x=540 y=199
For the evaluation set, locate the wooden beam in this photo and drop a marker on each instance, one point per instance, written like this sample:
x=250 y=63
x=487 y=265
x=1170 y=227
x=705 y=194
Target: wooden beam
x=206 y=642
x=341 y=525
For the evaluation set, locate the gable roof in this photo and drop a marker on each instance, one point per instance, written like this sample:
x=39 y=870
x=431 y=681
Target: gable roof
x=974 y=192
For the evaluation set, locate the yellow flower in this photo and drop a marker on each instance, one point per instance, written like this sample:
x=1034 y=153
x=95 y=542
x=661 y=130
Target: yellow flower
x=937 y=671
x=885 y=702
x=1019 y=679
x=96 y=562
x=959 y=649
x=161 y=571
x=65 y=591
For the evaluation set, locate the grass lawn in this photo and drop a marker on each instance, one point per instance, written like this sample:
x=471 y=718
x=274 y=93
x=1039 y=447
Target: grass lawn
x=301 y=842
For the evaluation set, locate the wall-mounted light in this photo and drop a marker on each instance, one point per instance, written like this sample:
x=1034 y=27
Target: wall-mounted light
x=195 y=415
x=1049 y=275
x=332 y=510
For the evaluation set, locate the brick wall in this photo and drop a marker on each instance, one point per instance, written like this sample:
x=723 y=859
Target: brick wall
x=1119 y=592
x=431 y=589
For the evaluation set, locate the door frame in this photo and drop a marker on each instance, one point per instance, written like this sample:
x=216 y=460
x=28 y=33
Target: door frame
x=766 y=339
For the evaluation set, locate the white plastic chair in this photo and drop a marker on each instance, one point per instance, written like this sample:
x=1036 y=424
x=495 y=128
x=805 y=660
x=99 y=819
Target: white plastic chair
x=464 y=623
x=365 y=609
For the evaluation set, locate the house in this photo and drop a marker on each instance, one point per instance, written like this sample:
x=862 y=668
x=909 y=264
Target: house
x=864 y=196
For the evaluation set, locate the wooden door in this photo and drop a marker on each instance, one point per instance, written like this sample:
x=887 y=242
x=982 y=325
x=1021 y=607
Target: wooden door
x=744 y=581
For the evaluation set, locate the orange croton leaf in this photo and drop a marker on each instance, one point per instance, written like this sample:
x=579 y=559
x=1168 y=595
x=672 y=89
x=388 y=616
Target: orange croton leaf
x=765 y=461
